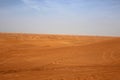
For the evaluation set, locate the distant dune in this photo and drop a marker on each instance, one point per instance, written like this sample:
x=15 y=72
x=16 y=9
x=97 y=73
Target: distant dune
x=59 y=57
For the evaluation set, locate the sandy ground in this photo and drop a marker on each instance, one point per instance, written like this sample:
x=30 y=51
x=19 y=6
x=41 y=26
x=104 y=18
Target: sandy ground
x=59 y=57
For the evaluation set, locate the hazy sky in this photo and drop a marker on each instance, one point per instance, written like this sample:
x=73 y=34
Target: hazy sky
x=83 y=17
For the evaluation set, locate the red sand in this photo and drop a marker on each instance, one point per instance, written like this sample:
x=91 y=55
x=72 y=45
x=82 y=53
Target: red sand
x=59 y=57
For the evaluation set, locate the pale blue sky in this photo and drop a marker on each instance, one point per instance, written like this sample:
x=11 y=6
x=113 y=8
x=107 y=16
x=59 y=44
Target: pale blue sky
x=82 y=17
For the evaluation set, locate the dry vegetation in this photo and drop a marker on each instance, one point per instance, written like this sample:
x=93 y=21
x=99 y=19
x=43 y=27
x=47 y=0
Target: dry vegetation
x=59 y=57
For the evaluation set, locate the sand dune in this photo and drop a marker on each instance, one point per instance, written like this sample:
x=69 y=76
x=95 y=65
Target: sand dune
x=59 y=57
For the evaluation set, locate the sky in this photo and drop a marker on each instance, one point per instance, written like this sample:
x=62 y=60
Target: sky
x=78 y=17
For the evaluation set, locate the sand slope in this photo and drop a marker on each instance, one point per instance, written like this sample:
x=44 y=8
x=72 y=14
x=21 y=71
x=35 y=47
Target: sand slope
x=59 y=57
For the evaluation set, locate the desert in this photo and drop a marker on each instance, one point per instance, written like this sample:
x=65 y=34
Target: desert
x=59 y=57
